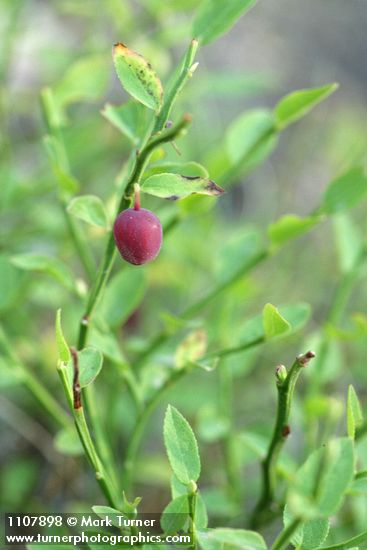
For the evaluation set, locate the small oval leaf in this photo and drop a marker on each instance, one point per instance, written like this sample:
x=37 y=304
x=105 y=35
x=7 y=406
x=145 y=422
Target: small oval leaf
x=90 y=209
x=67 y=442
x=175 y=186
x=289 y=227
x=137 y=77
x=345 y=191
x=251 y=137
x=215 y=17
x=175 y=515
x=354 y=412
x=297 y=104
x=181 y=445
x=90 y=362
x=273 y=322
x=63 y=348
x=45 y=264
x=233 y=539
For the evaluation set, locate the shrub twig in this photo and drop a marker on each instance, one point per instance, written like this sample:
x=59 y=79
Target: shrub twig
x=285 y=384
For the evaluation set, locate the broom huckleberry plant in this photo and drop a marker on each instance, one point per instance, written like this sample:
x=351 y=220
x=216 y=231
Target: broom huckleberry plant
x=305 y=496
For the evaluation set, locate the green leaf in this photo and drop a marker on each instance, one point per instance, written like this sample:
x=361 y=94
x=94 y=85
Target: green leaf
x=190 y=168
x=53 y=111
x=236 y=254
x=111 y=513
x=137 y=77
x=230 y=539
x=345 y=191
x=90 y=209
x=107 y=343
x=297 y=104
x=175 y=186
x=67 y=442
x=175 y=515
x=348 y=240
x=274 y=323
x=251 y=138
x=321 y=483
x=309 y=535
x=68 y=185
x=201 y=514
x=123 y=296
x=191 y=348
x=45 y=264
x=86 y=79
x=129 y=118
x=63 y=348
x=289 y=227
x=296 y=315
x=215 y=17
x=90 y=361
x=181 y=446
x=354 y=412
x=177 y=488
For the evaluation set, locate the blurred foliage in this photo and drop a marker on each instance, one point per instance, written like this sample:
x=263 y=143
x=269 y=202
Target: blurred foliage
x=276 y=202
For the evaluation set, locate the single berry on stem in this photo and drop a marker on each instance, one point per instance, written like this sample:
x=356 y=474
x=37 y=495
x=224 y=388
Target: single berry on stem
x=138 y=233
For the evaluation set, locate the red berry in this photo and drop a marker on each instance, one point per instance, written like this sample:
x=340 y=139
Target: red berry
x=138 y=235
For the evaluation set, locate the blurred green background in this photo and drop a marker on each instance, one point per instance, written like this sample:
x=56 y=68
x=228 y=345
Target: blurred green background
x=278 y=47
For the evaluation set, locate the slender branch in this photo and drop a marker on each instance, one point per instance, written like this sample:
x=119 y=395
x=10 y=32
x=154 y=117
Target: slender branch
x=285 y=384
x=163 y=336
x=347 y=544
x=184 y=73
x=110 y=252
x=192 y=514
x=237 y=169
x=285 y=536
x=339 y=302
x=73 y=396
x=150 y=405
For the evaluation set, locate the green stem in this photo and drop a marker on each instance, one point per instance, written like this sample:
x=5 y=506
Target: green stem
x=285 y=388
x=237 y=169
x=150 y=405
x=351 y=543
x=226 y=352
x=101 y=475
x=192 y=514
x=94 y=460
x=110 y=252
x=336 y=310
x=285 y=536
x=100 y=433
x=82 y=250
x=179 y=81
x=163 y=336
x=345 y=288
x=43 y=396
